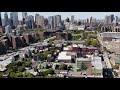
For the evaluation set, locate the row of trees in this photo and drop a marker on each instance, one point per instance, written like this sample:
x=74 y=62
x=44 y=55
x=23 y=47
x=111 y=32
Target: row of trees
x=94 y=43
x=17 y=67
x=64 y=67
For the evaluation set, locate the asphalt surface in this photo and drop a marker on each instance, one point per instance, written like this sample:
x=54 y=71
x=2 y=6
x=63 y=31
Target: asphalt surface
x=107 y=73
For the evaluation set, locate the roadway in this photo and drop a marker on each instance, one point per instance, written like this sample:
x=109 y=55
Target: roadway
x=107 y=68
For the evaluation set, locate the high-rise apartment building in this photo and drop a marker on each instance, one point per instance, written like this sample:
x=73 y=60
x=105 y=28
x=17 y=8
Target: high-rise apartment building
x=91 y=19
x=51 y=22
x=15 y=18
x=55 y=22
x=112 y=17
x=72 y=19
x=24 y=15
x=30 y=21
x=67 y=20
x=87 y=20
x=106 y=19
x=0 y=20
x=109 y=19
x=36 y=17
x=6 y=19
x=40 y=21
x=58 y=17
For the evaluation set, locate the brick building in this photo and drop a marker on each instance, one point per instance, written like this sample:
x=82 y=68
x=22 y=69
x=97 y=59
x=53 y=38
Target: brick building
x=27 y=38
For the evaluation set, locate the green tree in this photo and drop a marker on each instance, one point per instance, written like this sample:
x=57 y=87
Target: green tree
x=83 y=66
x=28 y=64
x=95 y=43
x=87 y=42
x=63 y=67
x=28 y=75
x=116 y=66
x=1 y=75
x=19 y=74
x=12 y=75
x=84 y=36
x=115 y=73
x=21 y=69
x=50 y=71
x=12 y=69
x=94 y=36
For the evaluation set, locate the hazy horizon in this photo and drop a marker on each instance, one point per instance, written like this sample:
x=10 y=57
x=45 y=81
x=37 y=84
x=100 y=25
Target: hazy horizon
x=64 y=15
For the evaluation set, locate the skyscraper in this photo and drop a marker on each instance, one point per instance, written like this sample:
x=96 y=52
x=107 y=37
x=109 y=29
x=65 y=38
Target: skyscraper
x=109 y=19
x=40 y=21
x=91 y=19
x=24 y=15
x=58 y=17
x=36 y=17
x=30 y=21
x=11 y=19
x=106 y=19
x=51 y=22
x=87 y=20
x=67 y=19
x=112 y=18
x=55 y=22
x=46 y=21
x=6 y=19
x=72 y=19
x=0 y=20
x=116 y=19
x=15 y=18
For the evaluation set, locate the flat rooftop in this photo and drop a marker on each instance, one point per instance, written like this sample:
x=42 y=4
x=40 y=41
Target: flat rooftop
x=97 y=63
x=111 y=34
x=83 y=59
x=63 y=56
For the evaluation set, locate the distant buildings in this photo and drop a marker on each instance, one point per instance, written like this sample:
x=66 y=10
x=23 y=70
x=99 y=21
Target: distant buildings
x=5 y=19
x=65 y=36
x=40 y=22
x=72 y=19
x=15 y=19
x=0 y=20
x=30 y=21
x=24 y=15
x=109 y=36
x=8 y=29
x=109 y=19
x=51 y=22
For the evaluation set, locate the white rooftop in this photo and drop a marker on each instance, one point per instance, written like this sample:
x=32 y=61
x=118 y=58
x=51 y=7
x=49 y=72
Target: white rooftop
x=74 y=45
x=65 y=48
x=97 y=63
x=63 y=56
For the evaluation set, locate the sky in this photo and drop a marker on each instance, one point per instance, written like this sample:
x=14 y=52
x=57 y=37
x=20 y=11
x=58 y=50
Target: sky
x=64 y=15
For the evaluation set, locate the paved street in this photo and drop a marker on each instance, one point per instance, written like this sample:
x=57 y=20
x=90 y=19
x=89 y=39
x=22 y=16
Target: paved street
x=107 y=61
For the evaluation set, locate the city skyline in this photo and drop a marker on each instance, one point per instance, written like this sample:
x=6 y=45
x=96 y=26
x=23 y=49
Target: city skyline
x=64 y=15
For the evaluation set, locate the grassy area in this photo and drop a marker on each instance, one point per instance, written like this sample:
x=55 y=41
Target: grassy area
x=75 y=35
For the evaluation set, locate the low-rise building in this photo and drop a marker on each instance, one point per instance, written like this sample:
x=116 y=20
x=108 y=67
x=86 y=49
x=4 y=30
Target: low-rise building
x=66 y=57
x=108 y=36
x=97 y=66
